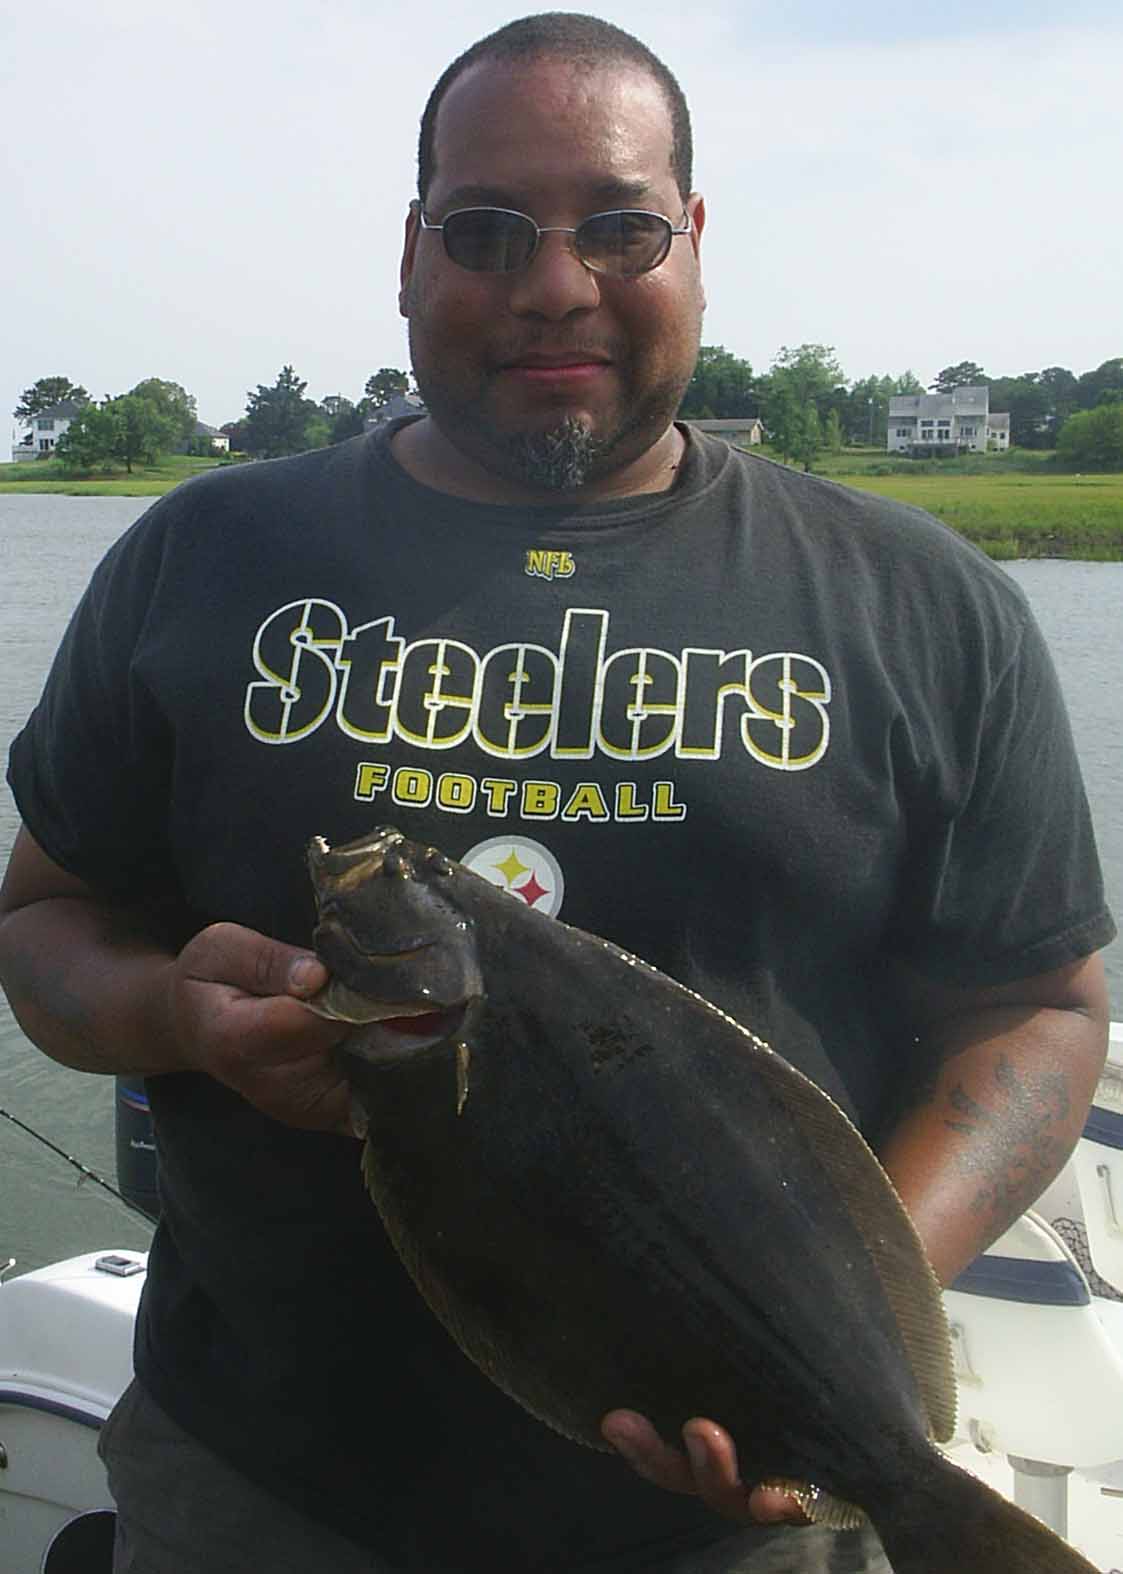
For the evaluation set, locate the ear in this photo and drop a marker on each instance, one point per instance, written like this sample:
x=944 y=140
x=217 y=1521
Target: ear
x=409 y=250
x=696 y=209
x=696 y=212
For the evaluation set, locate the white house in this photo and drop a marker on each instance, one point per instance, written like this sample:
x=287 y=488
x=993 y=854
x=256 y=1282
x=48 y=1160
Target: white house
x=220 y=442
x=946 y=423
x=46 y=429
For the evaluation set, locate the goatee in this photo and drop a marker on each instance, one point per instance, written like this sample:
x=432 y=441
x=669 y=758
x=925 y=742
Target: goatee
x=559 y=460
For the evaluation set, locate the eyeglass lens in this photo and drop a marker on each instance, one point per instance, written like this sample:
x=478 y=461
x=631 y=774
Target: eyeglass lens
x=493 y=240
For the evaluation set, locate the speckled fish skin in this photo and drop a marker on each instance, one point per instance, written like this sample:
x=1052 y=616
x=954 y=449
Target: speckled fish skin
x=612 y=1195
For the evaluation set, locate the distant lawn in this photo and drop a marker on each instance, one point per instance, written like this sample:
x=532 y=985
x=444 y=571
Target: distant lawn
x=1011 y=505
x=48 y=475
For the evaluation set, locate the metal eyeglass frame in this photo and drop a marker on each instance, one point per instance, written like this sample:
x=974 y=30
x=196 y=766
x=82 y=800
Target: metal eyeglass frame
x=559 y=229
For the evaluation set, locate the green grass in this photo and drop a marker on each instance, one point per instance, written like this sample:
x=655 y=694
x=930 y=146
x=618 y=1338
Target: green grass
x=1011 y=506
x=48 y=475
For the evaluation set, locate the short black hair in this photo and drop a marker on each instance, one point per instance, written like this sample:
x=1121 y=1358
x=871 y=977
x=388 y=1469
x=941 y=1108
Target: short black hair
x=585 y=40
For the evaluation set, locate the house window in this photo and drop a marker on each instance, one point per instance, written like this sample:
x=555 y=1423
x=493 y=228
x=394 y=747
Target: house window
x=44 y=445
x=45 y=426
x=904 y=431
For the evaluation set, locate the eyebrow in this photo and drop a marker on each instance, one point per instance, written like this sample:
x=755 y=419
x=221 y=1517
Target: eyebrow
x=603 y=195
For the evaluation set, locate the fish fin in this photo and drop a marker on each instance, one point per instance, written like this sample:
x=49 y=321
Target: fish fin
x=889 y=1235
x=821 y=1508
x=953 y=1523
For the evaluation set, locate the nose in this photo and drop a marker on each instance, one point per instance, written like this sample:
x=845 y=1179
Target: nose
x=554 y=282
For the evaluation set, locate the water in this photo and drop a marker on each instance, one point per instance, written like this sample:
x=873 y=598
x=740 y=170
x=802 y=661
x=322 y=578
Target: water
x=48 y=546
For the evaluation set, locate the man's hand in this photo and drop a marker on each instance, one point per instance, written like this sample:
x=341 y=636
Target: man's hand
x=100 y=987
x=235 y=1008
x=706 y=1469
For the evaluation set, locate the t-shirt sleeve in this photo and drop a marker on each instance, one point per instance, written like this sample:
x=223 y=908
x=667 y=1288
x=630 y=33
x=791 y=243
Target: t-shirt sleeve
x=1009 y=884
x=90 y=769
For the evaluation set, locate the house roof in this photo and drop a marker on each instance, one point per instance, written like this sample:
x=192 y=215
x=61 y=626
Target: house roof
x=941 y=406
x=397 y=405
x=731 y=425
x=65 y=410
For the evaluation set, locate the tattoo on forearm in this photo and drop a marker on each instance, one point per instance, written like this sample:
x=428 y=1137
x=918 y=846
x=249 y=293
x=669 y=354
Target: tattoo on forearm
x=1013 y=1145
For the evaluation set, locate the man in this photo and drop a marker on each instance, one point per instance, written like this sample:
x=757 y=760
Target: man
x=800 y=748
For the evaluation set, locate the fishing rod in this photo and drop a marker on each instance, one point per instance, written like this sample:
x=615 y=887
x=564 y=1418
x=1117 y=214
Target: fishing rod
x=84 y=1170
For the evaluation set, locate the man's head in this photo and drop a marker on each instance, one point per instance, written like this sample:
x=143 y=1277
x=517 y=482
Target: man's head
x=586 y=42
x=545 y=362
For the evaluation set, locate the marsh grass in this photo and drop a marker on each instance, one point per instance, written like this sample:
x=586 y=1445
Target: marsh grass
x=50 y=475
x=1017 y=505
x=1010 y=505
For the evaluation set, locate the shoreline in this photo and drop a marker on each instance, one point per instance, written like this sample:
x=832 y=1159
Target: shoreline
x=1011 y=512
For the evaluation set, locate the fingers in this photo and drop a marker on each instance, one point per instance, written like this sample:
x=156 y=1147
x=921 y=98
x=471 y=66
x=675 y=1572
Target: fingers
x=707 y=1469
x=236 y=1003
x=634 y=1437
x=244 y=959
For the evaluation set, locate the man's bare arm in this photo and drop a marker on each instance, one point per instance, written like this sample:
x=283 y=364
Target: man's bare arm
x=1014 y=1072
x=97 y=987
x=1015 y=1069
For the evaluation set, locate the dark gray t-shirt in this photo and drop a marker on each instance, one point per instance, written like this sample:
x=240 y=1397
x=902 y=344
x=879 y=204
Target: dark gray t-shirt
x=766 y=732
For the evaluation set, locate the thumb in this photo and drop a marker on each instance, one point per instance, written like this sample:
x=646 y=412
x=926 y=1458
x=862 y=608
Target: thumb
x=252 y=962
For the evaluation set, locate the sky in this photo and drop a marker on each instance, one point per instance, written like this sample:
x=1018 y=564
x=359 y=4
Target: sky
x=205 y=192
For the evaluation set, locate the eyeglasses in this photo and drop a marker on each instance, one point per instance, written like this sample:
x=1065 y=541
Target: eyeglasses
x=627 y=241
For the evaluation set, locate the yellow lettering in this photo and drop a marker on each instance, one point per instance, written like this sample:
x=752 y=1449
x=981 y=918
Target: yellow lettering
x=370 y=778
x=789 y=728
x=586 y=802
x=457 y=793
x=412 y=786
x=540 y=800
x=664 y=806
x=626 y=806
x=497 y=794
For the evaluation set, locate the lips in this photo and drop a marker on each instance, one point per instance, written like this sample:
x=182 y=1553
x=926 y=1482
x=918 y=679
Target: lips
x=579 y=358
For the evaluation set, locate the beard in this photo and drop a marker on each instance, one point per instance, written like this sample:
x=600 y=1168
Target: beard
x=559 y=460
x=563 y=457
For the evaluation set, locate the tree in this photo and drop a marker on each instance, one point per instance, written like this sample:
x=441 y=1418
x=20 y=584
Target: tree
x=1103 y=386
x=1060 y=394
x=865 y=417
x=343 y=418
x=721 y=385
x=277 y=418
x=964 y=374
x=46 y=392
x=1093 y=438
x=385 y=383
x=126 y=429
x=832 y=433
x=91 y=438
x=782 y=418
x=144 y=431
x=808 y=435
x=811 y=371
x=173 y=403
x=1028 y=405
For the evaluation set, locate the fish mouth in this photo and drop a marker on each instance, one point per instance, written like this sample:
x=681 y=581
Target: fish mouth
x=387 y=1032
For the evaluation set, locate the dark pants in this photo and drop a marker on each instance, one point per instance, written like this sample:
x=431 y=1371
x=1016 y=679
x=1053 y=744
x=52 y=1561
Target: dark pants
x=182 y=1510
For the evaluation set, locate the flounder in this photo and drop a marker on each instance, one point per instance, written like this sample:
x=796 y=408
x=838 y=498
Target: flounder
x=613 y=1195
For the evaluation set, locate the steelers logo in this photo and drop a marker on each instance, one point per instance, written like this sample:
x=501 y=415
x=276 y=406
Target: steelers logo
x=524 y=869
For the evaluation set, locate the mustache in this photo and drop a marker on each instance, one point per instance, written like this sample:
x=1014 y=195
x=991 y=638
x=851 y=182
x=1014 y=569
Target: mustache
x=512 y=353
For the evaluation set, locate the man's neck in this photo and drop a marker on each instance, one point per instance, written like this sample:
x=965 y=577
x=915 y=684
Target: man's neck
x=426 y=455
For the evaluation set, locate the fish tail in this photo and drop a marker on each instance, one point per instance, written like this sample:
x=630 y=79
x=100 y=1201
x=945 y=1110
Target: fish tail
x=955 y=1524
